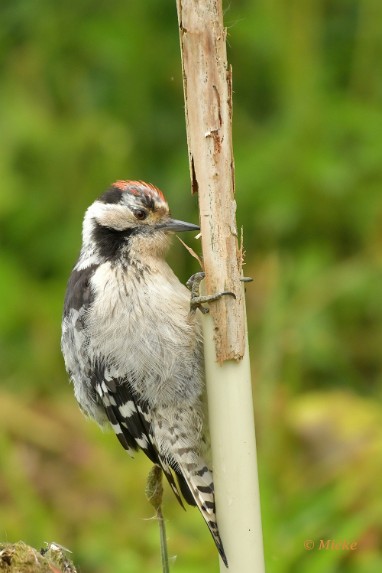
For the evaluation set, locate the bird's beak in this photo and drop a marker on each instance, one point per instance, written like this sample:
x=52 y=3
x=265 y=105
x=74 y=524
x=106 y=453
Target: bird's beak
x=177 y=226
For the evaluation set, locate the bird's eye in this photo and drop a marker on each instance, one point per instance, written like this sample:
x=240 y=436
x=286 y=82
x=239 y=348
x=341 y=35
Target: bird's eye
x=140 y=214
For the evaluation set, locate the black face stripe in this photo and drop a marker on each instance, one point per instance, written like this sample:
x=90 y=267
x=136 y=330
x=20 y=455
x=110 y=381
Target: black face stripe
x=110 y=241
x=78 y=293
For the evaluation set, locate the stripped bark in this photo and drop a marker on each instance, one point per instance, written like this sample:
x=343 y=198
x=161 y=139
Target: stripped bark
x=208 y=100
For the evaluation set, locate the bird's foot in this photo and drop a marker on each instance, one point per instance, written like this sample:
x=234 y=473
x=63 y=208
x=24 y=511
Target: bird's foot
x=197 y=300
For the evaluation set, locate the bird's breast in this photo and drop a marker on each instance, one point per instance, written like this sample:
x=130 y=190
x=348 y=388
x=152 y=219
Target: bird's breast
x=142 y=324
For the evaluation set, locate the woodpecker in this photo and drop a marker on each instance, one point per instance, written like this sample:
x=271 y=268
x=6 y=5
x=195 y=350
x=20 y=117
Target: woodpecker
x=131 y=345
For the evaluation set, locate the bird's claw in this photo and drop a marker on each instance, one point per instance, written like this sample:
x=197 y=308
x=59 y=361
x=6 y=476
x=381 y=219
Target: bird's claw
x=197 y=300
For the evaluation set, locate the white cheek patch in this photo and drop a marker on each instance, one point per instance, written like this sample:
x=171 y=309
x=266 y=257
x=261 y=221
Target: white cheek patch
x=113 y=215
x=118 y=218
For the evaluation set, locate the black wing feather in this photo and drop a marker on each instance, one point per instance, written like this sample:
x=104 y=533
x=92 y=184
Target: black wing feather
x=78 y=293
x=131 y=420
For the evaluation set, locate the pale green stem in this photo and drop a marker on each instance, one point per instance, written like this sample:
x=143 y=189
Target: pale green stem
x=233 y=445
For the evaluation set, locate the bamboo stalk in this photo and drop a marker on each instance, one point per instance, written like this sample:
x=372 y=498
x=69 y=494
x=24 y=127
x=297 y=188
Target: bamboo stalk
x=208 y=103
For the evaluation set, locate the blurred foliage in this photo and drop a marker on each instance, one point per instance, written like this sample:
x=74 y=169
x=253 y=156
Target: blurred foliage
x=92 y=92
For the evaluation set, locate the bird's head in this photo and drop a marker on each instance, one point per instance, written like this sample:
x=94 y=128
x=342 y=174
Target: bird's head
x=130 y=215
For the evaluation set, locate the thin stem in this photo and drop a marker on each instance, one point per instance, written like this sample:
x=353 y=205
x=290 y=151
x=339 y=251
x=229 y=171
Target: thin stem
x=163 y=541
x=154 y=494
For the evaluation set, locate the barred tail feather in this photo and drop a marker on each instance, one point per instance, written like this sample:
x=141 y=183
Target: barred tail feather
x=170 y=478
x=201 y=487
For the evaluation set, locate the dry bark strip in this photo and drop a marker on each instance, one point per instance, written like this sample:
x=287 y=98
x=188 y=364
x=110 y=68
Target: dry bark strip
x=208 y=101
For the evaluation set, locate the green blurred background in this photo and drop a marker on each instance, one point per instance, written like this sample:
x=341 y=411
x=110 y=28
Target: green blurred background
x=91 y=92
